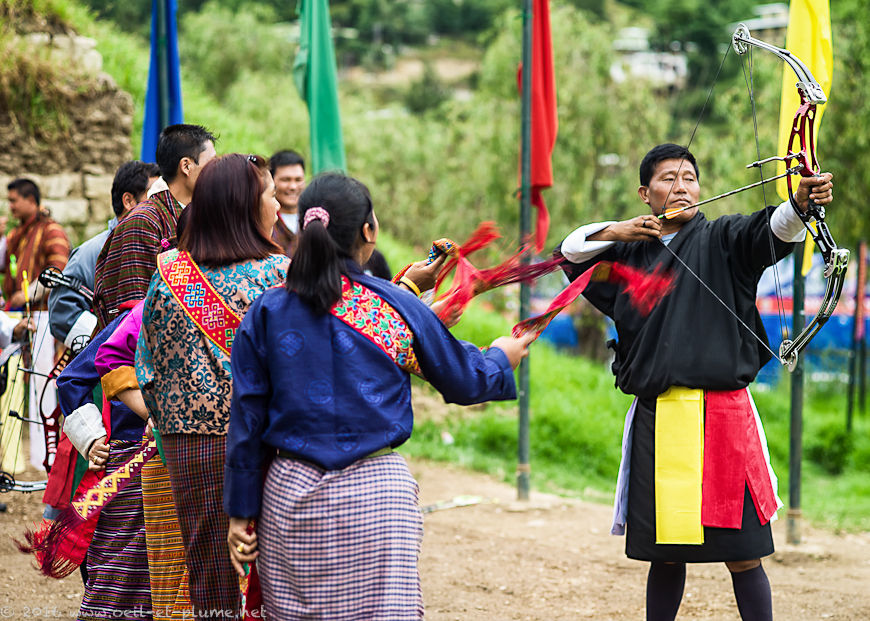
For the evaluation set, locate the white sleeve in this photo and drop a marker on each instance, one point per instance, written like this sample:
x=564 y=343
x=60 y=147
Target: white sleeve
x=84 y=326
x=786 y=224
x=7 y=325
x=576 y=249
x=83 y=426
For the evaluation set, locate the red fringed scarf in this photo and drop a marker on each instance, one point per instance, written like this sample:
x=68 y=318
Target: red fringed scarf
x=473 y=281
x=60 y=546
x=468 y=281
x=644 y=289
x=482 y=237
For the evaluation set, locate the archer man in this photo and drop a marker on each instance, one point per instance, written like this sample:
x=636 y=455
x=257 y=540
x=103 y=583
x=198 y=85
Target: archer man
x=695 y=483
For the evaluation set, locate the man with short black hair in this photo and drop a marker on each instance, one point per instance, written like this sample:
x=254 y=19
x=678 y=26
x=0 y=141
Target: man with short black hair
x=70 y=314
x=288 y=171
x=129 y=256
x=36 y=243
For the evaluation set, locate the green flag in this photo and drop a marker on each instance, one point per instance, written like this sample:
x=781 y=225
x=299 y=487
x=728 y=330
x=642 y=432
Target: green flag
x=315 y=76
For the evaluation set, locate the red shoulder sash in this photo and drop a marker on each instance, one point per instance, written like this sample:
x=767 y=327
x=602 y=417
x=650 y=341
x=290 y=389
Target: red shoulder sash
x=198 y=298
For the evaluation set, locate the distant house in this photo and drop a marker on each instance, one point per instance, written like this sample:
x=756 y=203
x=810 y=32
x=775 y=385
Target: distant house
x=637 y=61
x=770 y=23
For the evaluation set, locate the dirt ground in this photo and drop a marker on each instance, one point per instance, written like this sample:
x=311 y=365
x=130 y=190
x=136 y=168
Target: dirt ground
x=548 y=559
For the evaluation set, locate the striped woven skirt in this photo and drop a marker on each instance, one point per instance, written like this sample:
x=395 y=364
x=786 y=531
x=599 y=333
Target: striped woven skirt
x=341 y=545
x=196 y=471
x=117 y=562
x=169 y=593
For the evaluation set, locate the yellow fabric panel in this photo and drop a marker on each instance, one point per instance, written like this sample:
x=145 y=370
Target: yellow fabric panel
x=679 y=459
x=809 y=38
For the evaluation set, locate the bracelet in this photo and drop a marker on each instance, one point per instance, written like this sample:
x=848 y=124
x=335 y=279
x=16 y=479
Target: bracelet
x=410 y=284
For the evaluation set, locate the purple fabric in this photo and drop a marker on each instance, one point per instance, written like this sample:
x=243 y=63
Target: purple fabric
x=620 y=500
x=120 y=348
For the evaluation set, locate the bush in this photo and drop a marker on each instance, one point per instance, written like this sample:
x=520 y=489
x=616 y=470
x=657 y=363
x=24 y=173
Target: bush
x=219 y=45
x=427 y=93
x=830 y=447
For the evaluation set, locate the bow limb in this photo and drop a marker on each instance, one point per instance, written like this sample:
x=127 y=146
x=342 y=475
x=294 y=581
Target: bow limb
x=802 y=150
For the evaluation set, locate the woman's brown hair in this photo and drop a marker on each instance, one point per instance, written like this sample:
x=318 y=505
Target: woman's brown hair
x=223 y=221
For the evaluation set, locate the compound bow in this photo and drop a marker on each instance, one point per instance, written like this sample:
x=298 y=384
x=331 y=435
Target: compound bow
x=806 y=163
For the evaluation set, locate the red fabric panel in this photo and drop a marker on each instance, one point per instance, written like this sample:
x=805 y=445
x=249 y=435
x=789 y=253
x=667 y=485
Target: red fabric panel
x=726 y=430
x=733 y=457
x=58 y=490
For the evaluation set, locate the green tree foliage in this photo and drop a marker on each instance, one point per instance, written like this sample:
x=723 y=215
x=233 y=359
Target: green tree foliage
x=220 y=44
x=844 y=140
x=462 y=17
x=444 y=174
x=597 y=8
x=427 y=93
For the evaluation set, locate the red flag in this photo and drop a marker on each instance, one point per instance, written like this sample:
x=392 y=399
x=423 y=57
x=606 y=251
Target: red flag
x=545 y=124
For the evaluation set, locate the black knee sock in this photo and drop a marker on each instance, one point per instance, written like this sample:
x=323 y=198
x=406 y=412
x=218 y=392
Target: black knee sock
x=664 y=590
x=752 y=590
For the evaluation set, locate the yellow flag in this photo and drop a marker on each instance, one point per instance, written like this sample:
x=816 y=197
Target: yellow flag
x=809 y=38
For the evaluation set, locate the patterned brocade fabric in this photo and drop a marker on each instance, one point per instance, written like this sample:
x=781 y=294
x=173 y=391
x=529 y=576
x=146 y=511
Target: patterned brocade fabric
x=373 y=317
x=185 y=378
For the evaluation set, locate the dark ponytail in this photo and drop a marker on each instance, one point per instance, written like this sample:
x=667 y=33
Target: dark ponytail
x=324 y=248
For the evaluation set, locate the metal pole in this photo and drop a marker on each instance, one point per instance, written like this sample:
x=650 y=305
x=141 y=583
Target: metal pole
x=523 y=467
x=860 y=324
x=793 y=529
x=163 y=61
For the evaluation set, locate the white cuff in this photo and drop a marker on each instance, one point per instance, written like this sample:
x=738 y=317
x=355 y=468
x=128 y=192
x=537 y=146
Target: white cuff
x=576 y=249
x=84 y=326
x=7 y=327
x=786 y=224
x=83 y=426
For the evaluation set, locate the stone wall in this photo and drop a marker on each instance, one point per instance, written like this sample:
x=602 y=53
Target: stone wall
x=81 y=202
x=75 y=173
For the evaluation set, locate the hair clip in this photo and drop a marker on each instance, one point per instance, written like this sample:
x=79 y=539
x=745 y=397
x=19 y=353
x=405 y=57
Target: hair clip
x=315 y=213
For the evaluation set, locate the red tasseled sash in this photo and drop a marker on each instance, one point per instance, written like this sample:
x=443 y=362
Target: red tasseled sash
x=645 y=289
x=60 y=546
